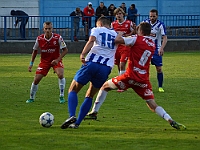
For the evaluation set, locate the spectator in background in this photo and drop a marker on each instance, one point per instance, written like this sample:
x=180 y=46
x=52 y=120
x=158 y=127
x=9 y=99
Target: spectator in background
x=101 y=11
x=123 y=6
x=88 y=12
x=111 y=9
x=132 y=13
x=21 y=17
x=76 y=19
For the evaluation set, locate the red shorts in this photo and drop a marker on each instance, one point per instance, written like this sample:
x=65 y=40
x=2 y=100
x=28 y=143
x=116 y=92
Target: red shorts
x=43 y=68
x=122 y=54
x=144 y=90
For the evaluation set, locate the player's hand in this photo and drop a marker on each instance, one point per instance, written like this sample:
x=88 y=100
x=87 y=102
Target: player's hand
x=82 y=58
x=30 y=68
x=133 y=25
x=121 y=33
x=161 y=52
x=54 y=62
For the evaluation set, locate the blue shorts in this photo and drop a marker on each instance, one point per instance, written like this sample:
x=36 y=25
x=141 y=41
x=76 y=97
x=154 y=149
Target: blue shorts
x=96 y=73
x=156 y=60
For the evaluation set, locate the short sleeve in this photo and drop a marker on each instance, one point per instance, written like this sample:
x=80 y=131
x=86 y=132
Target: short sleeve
x=130 y=40
x=94 y=32
x=62 y=43
x=36 y=45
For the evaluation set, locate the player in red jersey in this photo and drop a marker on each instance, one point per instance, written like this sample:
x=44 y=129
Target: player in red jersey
x=49 y=44
x=137 y=73
x=128 y=27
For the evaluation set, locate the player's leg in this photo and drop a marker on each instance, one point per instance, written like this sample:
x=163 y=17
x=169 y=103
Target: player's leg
x=160 y=78
x=86 y=105
x=124 y=54
x=163 y=114
x=147 y=94
x=80 y=79
x=157 y=61
x=101 y=96
x=34 y=87
x=119 y=82
x=74 y=88
x=59 y=70
x=41 y=72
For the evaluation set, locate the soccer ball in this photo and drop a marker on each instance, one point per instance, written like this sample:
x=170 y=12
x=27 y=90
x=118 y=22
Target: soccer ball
x=46 y=119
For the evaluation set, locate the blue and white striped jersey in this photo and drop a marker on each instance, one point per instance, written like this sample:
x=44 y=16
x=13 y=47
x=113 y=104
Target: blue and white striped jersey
x=104 y=48
x=158 y=30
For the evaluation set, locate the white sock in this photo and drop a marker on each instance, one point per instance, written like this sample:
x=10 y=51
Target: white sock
x=33 y=91
x=162 y=113
x=99 y=100
x=62 y=83
x=122 y=72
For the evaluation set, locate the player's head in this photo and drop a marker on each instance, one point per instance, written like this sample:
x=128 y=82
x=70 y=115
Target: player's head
x=119 y=13
x=123 y=5
x=144 y=29
x=132 y=6
x=78 y=9
x=12 y=12
x=101 y=4
x=153 y=15
x=103 y=21
x=47 y=27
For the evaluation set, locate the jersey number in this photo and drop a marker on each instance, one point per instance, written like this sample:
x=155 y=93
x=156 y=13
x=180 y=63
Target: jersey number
x=144 y=57
x=108 y=40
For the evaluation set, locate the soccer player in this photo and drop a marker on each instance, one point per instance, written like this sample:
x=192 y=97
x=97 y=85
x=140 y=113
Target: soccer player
x=96 y=67
x=127 y=27
x=137 y=73
x=49 y=44
x=158 y=32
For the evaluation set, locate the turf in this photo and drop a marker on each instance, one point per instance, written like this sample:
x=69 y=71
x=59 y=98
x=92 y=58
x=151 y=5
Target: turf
x=124 y=121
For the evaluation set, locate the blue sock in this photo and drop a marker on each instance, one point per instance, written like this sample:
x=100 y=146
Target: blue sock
x=72 y=103
x=84 y=109
x=160 y=79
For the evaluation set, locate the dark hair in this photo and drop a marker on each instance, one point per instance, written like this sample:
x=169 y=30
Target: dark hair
x=146 y=28
x=47 y=23
x=104 y=20
x=133 y=5
x=12 y=12
x=154 y=11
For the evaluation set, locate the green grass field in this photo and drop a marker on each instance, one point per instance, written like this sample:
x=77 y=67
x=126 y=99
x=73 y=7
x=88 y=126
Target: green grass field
x=124 y=121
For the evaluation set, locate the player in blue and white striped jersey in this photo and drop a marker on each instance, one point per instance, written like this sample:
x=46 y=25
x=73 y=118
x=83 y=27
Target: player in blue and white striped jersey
x=96 y=67
x=158 y=33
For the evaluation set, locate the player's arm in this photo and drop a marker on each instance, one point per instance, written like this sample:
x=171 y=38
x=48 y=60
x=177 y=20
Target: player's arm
x=128 y=41
x=119 y=39
x=87 y=48
x=63 y=46
x=164 y=39
x=132 y=29
x=34 y=54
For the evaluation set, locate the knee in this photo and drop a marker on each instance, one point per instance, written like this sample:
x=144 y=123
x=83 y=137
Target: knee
x=60 y=75
x=159 y=69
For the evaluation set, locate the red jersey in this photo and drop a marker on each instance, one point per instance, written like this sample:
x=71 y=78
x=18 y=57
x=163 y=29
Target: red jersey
x=125 y=26
x=142 y=49
x=50 y=48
